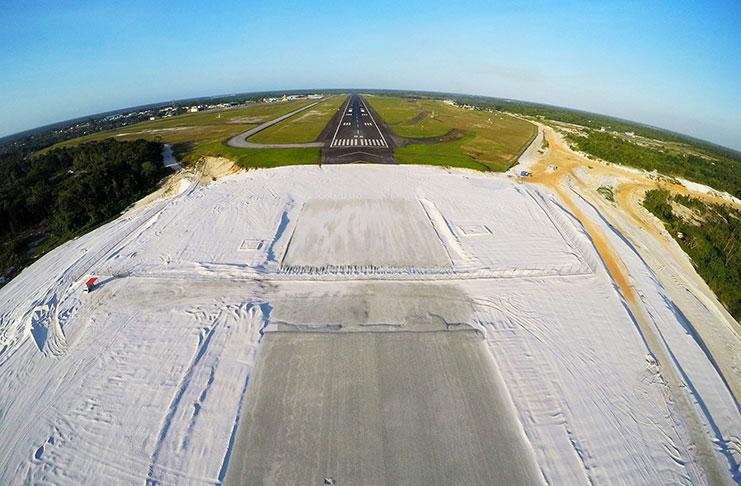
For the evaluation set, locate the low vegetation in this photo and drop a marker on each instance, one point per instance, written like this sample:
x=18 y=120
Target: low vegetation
x=607 y=193
x=394 y=109
x=429 y=126
x=195 y=135
x=302 y=127
x=473 y=139
x=711 y=235
x=64 y=192
x=196 y=127
x=258 y=158
x=718 y=172
x=447 y=154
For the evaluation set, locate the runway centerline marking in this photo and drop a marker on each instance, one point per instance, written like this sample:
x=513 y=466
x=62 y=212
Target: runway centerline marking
x=374 y=123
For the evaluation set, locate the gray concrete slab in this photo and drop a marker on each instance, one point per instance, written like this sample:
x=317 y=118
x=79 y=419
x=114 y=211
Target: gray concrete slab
x=412 y=408
x=394 y=233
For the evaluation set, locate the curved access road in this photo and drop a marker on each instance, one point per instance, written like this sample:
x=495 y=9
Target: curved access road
x=240 y=141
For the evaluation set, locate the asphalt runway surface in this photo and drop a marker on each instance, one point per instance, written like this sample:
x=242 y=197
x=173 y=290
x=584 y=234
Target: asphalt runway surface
x=357 y=134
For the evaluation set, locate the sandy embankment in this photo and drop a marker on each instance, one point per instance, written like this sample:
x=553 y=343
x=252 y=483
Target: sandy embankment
x=715 y=331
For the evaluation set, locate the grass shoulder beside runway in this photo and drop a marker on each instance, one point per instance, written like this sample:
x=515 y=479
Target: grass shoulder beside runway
x=394 y=110
x=447 y=154
x=258 y=158
x=302 y=127
x=491 y=141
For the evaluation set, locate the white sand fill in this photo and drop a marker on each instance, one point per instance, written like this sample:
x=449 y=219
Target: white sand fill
x=376 y=324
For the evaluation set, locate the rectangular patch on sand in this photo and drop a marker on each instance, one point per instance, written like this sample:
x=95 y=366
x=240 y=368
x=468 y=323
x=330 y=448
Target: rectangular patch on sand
x=392 y=233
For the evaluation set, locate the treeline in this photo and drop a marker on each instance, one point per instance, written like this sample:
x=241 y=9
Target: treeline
x=712 y=240
x=720 y=173
x=67 y=191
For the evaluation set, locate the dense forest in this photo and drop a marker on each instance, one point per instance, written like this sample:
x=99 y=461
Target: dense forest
x=712 y=239
x=64 y=192
x=720 y=173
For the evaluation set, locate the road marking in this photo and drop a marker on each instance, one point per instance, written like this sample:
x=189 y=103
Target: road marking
x=374 y=122
x=338 y=125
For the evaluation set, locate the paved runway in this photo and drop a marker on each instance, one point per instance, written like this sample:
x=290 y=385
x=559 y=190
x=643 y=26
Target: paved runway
x=357 y=134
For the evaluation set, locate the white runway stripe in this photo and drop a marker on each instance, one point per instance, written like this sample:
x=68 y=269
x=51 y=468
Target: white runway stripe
x=358 y=142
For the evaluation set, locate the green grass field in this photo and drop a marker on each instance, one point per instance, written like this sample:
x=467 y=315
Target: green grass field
x=258 y=158
x=302 y=127
x=492 y=141
x=196 y=127
x=393 y=110
x=427 y=127
x=447 y=154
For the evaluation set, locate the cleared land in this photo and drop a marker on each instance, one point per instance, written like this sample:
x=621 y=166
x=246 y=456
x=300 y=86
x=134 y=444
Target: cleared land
x=144 y=379
x=303 y=127
x=378 y=408
x=486 y=141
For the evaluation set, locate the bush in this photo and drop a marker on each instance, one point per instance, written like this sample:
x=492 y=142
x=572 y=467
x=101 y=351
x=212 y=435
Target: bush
x=67 y=191
x=714 y=244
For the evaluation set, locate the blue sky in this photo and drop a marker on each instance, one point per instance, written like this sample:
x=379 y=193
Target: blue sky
x=674 y=64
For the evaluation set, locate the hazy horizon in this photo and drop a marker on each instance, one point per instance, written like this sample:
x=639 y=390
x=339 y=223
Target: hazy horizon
x=669 y=65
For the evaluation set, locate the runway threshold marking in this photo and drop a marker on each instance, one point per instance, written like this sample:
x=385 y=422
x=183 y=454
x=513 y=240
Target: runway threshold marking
x=338 y=125
x=385 y=144
x=358 y=140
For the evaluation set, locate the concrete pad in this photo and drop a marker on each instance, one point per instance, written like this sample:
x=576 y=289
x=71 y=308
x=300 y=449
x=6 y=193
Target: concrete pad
x=378 y=408
x=367 y=306
x=364 y=232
